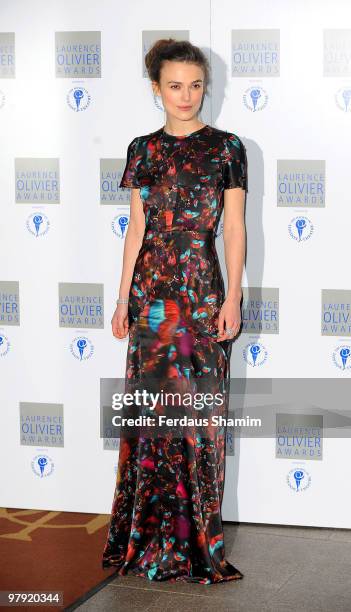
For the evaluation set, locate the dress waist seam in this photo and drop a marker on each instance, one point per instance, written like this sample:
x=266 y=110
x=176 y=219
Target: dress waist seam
x=178 y=231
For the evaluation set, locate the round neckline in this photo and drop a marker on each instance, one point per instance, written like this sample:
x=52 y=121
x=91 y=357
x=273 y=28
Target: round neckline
x=164 y=133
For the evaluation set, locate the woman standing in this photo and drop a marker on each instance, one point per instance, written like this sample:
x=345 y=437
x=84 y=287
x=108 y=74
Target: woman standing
x=166 y=513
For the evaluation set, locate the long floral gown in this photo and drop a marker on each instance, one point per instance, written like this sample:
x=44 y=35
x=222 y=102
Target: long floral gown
x=166 y=515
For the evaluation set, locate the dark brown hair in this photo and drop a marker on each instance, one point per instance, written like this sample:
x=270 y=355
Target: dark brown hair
x=178 y=51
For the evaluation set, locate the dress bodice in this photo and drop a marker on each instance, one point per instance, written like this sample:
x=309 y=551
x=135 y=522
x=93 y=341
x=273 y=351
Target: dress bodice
x=182 y=178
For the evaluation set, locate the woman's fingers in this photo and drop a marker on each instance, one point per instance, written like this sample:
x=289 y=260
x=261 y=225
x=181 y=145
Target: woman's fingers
x=120 y=326
x=126 y=326
x=228 y=330
x=221 y=324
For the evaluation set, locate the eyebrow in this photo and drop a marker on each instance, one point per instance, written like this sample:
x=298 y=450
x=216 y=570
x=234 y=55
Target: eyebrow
x=180 y=82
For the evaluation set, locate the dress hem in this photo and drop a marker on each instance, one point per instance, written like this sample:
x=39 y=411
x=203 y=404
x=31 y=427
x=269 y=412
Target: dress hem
x=217 y=579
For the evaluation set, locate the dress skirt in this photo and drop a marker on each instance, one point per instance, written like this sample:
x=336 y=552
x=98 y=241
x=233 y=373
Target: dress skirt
x=166 y=514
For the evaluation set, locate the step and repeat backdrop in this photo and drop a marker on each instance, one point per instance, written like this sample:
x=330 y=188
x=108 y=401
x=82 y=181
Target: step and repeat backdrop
x=73 y=93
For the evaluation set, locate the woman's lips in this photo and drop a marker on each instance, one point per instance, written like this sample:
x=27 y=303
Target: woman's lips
x=184 y=107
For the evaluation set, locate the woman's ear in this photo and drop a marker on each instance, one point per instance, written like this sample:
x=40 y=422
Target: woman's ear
x=155 y=88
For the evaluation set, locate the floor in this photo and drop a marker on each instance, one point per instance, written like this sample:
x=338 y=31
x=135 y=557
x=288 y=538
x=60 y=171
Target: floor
x=286 y=569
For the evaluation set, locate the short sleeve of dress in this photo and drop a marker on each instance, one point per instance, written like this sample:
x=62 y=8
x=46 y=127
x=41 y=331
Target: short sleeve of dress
x=234 y=163
x=129 y=176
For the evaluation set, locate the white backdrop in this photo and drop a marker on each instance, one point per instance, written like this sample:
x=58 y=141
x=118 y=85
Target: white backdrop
x=62 y=236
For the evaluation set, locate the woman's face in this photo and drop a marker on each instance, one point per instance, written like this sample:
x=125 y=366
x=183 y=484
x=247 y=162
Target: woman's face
x=181 y=88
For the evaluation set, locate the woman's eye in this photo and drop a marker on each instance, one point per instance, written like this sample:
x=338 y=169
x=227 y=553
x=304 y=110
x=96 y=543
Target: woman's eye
x=196 y=85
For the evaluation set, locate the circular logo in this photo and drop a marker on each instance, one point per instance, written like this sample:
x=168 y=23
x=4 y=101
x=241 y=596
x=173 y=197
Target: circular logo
x=120 y=225
x=341 y=357
x=38 y=224
x=4 y=345
x=42 y=466
x=255 y=354
x=300 y=228
x=255 y=98
x=78 y=99
x=81 y=348
x=343 y=99
x=298 y=479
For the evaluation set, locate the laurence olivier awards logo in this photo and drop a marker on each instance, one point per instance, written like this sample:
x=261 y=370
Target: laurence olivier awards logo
x=37 y=180
x=300 y=228
x=336 y=312
x=110 y=177
x=256 y=53
x=81 y=348
x=337 y=49
x=8 y=57
x=108 y=431
x=260 y=315
x=78 y=54
x=336 y=321
x=299 y=436
x=108 y=387
x=301 y=183
x=38 y=224
x=9 y=303
x=255 y=98
x=298 y=479
x=120 y=225
x=260 y=310
x=81 y=305
x=42 y=465
x=41 y=424
x=78 y=99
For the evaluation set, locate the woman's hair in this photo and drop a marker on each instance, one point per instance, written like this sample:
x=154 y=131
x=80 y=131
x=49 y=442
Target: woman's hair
x=178 y=51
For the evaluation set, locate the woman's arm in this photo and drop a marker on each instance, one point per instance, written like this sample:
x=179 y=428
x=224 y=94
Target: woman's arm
x=133 y=241
x=132 y=244
x=234 y=236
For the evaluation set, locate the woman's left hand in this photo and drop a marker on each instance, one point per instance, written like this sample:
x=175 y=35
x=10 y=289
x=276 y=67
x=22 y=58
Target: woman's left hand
x=229 y=319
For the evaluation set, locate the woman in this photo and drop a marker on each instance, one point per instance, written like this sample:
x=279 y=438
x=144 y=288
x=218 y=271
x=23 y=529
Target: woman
x=166 y=514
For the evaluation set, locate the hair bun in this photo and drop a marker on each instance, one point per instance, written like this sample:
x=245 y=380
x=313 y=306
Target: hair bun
x=160 y=45
x=175 y=50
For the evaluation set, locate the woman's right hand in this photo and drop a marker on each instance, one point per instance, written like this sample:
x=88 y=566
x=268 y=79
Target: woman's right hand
x=119 y=322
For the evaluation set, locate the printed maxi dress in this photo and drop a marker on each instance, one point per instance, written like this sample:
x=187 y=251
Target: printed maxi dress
x=166 y=514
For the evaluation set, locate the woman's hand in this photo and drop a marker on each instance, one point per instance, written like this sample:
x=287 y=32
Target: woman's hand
x=119 y=322
x=229 y=319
